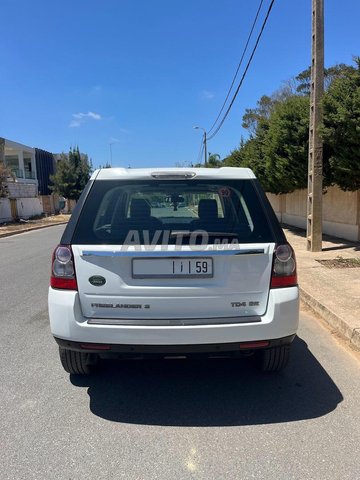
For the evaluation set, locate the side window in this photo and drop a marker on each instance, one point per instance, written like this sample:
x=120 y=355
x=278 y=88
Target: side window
x=110 y=210
x=104 y=213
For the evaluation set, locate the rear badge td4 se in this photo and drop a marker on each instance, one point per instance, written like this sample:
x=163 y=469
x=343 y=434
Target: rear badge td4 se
x=244 y=304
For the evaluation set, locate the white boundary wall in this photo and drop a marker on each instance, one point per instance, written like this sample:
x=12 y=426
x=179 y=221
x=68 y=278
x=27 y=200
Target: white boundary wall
x=28 y=204
x=5 y=210
x=341 y=211
x=26 y=208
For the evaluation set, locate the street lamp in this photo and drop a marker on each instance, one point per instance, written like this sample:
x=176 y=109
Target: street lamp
x=205 y=146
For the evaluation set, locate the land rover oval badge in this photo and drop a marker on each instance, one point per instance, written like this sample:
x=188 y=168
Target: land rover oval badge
x=97 y=281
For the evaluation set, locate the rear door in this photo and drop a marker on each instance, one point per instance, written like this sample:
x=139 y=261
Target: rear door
x=136 y=285
x=162 y=250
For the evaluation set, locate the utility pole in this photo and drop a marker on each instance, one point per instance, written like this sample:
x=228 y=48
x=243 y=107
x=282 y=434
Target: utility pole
x=2 y=150
x=315 y=168
x=205 y=148
x=204 y=142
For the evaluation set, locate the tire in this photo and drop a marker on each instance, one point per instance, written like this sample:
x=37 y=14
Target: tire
x=275 y=359
x=76 y=363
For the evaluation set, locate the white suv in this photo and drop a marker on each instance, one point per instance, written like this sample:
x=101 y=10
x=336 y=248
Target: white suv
x=136 y=275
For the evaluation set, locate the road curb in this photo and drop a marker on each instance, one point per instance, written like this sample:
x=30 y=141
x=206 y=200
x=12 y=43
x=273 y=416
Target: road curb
x=338 y=323
x=25 y=230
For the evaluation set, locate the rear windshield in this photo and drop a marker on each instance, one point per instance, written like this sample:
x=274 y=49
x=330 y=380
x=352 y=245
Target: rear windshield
x=172 y=212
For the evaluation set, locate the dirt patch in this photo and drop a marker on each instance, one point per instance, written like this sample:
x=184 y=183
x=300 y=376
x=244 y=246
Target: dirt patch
x=340 y=262
x=25 y=225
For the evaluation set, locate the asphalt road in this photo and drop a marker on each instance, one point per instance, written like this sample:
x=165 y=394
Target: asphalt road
x=164 y=420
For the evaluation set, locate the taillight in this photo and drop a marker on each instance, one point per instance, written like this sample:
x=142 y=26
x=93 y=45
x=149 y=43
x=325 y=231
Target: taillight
x=284 y=267
x=63 y=269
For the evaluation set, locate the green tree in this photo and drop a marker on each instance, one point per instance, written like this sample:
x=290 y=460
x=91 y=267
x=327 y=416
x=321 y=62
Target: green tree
x=72 y=174
x=250 y=152
x=303 y=80
x=257 y=118
x=82 y=168
x=214 y=160
x=236 y=157
x=64 y=179
x=341 y=130
x=285 y=146
x=250 y=155
x=106 y=165
x=277 y=147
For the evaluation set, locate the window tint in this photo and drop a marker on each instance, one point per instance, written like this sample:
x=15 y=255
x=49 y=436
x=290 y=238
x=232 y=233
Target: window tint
x=159 y=211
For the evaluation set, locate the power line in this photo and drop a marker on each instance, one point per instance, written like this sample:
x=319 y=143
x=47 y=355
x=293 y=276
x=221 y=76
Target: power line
x=238 y=67
x=244 y=74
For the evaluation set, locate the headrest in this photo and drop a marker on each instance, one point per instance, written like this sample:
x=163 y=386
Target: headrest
x=139 y=208
x=207 y=209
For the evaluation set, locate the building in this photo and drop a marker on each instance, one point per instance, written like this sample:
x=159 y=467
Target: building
x=21 y=161
x=45 y=167
x=23 y=200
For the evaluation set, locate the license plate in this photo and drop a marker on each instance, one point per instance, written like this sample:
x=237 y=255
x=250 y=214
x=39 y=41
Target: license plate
x=172 y=267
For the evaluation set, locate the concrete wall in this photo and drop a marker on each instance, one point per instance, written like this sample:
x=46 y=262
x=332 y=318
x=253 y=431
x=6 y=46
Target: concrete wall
x=25 y=208
x=341 y=211
x=5 y=210
x=22 y=190
x=28 y=207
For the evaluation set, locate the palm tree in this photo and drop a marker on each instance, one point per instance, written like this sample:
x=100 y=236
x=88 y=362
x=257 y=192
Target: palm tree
x=214 y=160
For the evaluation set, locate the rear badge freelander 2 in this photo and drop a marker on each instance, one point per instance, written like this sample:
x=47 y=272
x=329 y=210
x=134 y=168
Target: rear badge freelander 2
x=119 y=305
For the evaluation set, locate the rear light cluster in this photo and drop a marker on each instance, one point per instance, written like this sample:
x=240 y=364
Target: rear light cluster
x=284 y=267
x=63 y=269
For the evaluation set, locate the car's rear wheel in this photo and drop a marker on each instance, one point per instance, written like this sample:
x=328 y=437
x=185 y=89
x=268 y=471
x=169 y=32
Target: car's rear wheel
x=77 y=363
x=275 y=359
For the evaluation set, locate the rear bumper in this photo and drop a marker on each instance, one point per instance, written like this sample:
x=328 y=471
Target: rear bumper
x=280 y=321
x=173 y=350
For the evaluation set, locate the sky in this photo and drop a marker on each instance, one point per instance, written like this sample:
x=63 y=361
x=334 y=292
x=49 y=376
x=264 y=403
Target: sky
x=126 y=80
